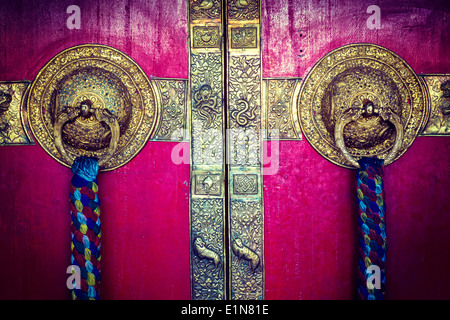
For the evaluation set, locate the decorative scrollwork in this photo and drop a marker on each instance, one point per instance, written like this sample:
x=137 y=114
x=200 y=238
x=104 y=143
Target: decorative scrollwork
x=173 y=117
x=207 y=253
x=205 y=9
x=244 y=37
x=439 y=92
x=353 y=76
x=206 y=106
x=206 y=86
x=247 y=228
x=108 y=79
x=243 y=9
x=245 y=91
x=280 y=95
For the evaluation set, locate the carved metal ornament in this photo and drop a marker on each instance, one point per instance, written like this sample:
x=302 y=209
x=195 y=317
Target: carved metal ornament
x=245 y=10
x=206 y=37
x=205 y=9
x=206 y=124
x=173 y=119
x=92 y=100
x=14 y=129
x=376 y=87
x=244 y=141
x=438 y=88
x=279 y=97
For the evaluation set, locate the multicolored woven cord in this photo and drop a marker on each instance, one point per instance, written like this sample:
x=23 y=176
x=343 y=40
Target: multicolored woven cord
x=85 y=227
x=372 y=228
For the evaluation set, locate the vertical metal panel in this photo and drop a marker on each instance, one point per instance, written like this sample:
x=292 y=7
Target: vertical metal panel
x=207 y=205
x=244 y=144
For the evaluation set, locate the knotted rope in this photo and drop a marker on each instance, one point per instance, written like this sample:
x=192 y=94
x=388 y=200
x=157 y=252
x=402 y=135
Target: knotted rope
x=372 y=229
x=85 y=227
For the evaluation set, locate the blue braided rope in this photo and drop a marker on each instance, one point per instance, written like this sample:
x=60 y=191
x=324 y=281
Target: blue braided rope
x=85 y=227
x=372 y=229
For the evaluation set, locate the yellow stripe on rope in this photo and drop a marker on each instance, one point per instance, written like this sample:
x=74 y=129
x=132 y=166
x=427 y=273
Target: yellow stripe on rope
x=83 y=228
x=79 y=205
x=90 y=279
x=87 y=254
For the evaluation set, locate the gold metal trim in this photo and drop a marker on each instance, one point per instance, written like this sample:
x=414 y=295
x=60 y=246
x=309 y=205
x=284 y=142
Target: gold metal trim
x=348 y=77
x=244 y=144
x=107 y=62
x=278 y=107
x=171 y=95
x=208 y=258
x=14 y=128
x=353 y=115
x=437 y=123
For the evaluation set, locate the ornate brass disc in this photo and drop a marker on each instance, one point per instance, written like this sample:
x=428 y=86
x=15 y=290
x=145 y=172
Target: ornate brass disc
x=357 y=77
x=96 y=78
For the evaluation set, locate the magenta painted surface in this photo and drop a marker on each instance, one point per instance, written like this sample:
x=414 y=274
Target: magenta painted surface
x=34 y=225
x=310 y=227
x=310 y=218
x=418 y=221
x=307 y=30
x=145 y=227
x=150 y=32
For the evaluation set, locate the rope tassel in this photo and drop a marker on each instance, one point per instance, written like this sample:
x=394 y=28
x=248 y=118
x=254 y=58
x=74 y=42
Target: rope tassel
x=85 y=227
x=371 y=229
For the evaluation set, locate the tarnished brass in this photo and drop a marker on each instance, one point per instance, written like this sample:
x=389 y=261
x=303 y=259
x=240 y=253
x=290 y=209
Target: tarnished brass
x=171 y=94
x=13 y=122
x=109 y=84
x=207 y=195
x=438 y=88
x=278 y=110
x=86 y=113
x=360 y=77
x=368 y=111
x=244 y=144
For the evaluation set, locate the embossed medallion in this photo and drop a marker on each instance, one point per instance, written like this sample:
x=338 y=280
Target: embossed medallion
x=205 y=9
x=102 y=78
x=354 y=77
x=243 y=10
x=206 y=37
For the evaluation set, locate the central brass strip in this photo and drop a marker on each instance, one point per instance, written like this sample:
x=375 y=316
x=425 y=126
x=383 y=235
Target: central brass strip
x=244 y=146
x=226 y=221
x=207 y=200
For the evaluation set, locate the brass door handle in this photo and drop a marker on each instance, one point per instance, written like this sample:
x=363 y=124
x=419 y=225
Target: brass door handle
x=101 y=115
x=353 y=115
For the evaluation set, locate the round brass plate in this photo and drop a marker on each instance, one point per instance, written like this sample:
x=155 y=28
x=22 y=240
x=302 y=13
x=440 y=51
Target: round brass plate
x=107 y=79
x=352 y=77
